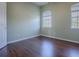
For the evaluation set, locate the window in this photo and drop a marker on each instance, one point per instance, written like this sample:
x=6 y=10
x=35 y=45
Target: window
x=75 y=16
x=46 y=18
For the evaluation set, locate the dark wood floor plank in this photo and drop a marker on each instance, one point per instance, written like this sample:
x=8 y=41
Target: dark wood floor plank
x=41 y=47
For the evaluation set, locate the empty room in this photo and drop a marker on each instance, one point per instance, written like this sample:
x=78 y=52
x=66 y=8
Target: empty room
x=39 y=29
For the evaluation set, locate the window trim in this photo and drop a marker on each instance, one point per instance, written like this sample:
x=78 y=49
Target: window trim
x=48 y=15
x=76 y=22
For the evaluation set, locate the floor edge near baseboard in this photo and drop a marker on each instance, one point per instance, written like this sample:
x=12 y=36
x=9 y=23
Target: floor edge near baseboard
x=22 y=39
x=3 y=46
x=18 y=40
x=40 y=35
x=59 y=38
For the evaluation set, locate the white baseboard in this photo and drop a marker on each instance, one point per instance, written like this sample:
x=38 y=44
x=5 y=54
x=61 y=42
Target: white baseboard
x=60 y=38
x=2 y=46
x=41 y=35
x=22 y=39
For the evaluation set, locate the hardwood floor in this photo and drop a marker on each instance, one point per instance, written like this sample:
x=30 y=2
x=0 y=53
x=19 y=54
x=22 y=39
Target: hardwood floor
x=41 y=47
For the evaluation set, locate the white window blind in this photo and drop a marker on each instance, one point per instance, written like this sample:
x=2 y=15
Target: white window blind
x=75 y=16
x=46 y=18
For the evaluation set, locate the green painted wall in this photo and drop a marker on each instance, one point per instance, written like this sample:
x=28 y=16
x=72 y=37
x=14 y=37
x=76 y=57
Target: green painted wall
x=61 y=21
x=23 y=20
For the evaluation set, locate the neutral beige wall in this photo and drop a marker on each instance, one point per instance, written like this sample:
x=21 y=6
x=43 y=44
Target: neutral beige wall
x=23 y=20
x=61 y=21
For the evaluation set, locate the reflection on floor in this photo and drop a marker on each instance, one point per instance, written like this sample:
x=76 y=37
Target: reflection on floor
x=41 y=47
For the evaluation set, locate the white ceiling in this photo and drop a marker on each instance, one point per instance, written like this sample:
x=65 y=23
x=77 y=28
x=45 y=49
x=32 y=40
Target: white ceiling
x=40 y=3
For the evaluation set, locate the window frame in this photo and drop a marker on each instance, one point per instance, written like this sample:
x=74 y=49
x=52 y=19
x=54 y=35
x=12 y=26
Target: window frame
x=47 y=14
x=75 y=15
